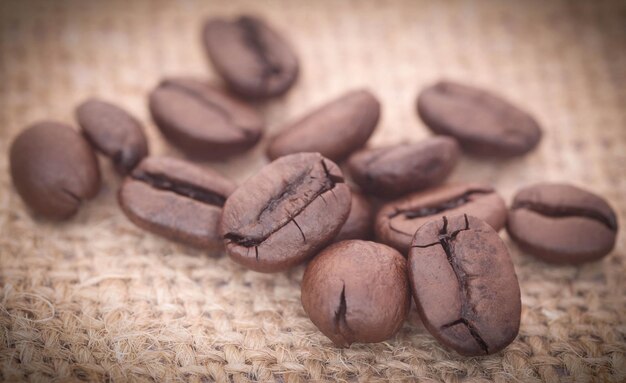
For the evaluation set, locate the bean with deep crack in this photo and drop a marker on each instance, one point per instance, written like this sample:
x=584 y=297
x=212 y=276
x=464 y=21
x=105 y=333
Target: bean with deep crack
x=464 y=285
x=356 y=291
x=285 y=213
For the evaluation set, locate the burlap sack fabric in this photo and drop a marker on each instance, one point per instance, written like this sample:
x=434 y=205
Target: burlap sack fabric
x=96 y=298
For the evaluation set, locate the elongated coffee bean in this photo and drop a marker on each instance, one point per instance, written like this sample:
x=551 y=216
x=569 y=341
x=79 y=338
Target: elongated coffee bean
x=398 y=220
x=54 y=169
x=484 y=123
x=360 y=220
x=395 y=170
x=114 y=132
x=335 y=129
x=284 y=214
x=254 y=60
x=176 y=199
x=357 y=291
x=562 y=223
x=203 y=121
x=464 y=285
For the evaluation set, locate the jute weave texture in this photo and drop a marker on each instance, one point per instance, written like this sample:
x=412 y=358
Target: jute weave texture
x=98 y=299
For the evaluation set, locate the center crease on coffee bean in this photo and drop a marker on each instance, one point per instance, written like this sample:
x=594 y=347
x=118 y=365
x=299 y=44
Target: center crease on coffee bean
x=253 y=39
x=341 y=324
x=328 y=184
x=161 y=182
x=565 y=212
x=432 y=210
x=446 y=241
x=198 y=97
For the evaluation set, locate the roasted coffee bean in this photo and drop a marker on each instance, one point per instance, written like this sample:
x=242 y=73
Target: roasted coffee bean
x=253 y=59
x=360 y=220
x=203 y=121
x=54 y=169
x=395 y=170
x=464 y=285
x=114 y=132
x=285 y=213
x=398 y=220
x=356 y=291
x=176 y=199
x=484 y=123
x=561 y=223
x=335 y=129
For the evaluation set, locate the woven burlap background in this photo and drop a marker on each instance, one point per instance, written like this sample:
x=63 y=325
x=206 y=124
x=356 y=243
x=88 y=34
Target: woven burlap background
x=96 y=298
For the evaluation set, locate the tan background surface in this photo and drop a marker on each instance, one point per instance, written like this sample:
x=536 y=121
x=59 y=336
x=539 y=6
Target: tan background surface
x=96 y=298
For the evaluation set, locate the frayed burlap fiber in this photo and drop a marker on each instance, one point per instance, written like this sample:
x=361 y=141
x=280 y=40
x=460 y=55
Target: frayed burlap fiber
x=98 y=299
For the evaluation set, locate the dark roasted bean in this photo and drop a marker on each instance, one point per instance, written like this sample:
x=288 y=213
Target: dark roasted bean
x=395 y=170
x=114 y=132
x=356 y=291
x=561 y=223
x=464 y=285
x=360 y=220
x=483 y=123
x=54 y=169
x=398 y=220
x=176 y=199
x=253 y=59
x=334 y=129
x=285 y=213
x=203 y=121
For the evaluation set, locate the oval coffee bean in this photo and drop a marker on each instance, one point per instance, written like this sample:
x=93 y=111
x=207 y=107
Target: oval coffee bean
x=203 y=121
x=398 y=220
x=253 y=59
x=284 y=214
x=359 y=222
x=176 y=199
x=356 y=291
x=54 y=169
x=114 y=132
x=561 y=223
x=464 y=285
x=484 y=123
x=334 y=129
x=395 y=170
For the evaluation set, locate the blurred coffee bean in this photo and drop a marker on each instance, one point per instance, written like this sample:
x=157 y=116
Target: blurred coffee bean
x=114 y=132
x=253 y=59
x=54 y=169
x=483 y=123
x=395 y=170
x=203 y=121
x=562 y=223
x=334 y=129
x=360 y=220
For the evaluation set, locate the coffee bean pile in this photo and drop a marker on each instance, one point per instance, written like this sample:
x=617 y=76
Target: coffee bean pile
x=436 y=242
